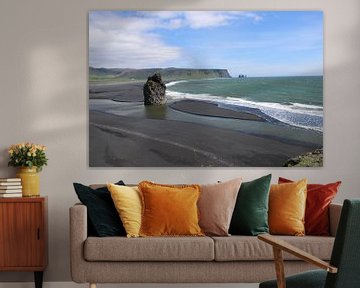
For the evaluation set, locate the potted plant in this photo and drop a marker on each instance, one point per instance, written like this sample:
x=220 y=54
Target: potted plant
x=30 y=158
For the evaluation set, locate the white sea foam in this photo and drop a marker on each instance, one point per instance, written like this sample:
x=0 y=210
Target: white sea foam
x=175 y=82
x=295 y=114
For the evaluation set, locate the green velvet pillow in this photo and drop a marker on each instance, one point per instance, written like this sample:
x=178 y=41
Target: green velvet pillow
x=250 y=216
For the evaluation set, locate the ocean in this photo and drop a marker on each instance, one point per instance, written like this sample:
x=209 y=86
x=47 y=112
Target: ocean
x=295 y=101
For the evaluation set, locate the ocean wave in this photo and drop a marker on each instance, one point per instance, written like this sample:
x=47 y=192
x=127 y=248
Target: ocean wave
x=294 y=114
x=175 y=82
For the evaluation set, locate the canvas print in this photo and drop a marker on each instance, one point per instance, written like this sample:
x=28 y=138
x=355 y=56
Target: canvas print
x=205 y=88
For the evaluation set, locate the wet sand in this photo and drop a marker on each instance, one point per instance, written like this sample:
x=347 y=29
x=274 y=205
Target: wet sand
x=143 y=140
x=123 y=92
x=119 y=141
x=210 y=109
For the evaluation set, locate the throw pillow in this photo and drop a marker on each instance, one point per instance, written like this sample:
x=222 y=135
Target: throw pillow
x=216 y=206
x=102 y=215
x=169 y=210
x=287 y=208
x=127 y=201
x=319 y=197
x=250 y=215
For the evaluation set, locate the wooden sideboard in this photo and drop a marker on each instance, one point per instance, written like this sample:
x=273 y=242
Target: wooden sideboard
x=23 y=235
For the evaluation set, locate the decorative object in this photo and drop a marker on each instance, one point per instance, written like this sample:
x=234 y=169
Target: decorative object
x=103 y=218
x=30 y=181
x=250 y=215
x=216 y=206
x=23 y=236
x=287 y=204
x=30 y=158
x=127 y=201
x=10 y=187
x=197 y=89
x=318 y=199
x=169 y=210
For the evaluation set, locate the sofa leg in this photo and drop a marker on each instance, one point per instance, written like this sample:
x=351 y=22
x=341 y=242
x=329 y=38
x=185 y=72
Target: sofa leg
x=92 y=285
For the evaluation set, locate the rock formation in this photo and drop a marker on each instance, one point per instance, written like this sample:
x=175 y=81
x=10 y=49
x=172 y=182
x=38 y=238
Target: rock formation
x=154 y=90
x=310 y=159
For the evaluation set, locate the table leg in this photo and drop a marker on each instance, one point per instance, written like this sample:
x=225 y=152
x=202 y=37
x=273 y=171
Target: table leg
x=38 y=279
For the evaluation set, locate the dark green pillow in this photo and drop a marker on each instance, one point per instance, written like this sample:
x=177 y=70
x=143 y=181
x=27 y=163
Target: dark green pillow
x=103 y=218
x=250 y=216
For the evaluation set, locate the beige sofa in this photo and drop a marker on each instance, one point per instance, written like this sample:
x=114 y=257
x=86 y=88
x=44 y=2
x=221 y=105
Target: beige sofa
x=234 y=259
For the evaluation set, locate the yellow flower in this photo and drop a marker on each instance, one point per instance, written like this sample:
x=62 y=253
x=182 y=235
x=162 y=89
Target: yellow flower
x=28 y=154
x=11 y=151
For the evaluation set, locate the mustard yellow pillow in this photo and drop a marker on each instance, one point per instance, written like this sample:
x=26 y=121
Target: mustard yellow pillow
x=127 y=201
x=287 y=204
x=169 y=210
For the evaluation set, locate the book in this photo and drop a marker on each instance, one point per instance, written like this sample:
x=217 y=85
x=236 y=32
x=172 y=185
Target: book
x=10 y=187
x=10 y=180
x=10 y=183
x=4 y=195
x=10 y=191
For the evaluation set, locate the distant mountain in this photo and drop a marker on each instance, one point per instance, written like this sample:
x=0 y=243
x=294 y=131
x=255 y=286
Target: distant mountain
x=167 y=74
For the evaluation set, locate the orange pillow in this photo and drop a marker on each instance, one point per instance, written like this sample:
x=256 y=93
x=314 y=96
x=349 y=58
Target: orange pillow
x=287 y=204
x=318 y=200
x=169 y=210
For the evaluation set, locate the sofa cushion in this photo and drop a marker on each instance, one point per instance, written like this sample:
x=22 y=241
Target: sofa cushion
x=127 y=201
x=216 y=206
x=149 y=249
x=287 y=204
x=169 y=210
x=244 y=248
x=318 y=199
x=250 y=215
x=102 y=216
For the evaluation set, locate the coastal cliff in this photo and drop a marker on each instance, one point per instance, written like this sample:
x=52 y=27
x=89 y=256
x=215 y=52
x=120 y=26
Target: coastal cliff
x=167 y=74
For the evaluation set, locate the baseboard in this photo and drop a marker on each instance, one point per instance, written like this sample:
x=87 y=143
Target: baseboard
x=74 y=285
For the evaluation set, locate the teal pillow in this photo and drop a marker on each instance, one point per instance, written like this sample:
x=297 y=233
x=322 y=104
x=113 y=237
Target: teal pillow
x=250 y=216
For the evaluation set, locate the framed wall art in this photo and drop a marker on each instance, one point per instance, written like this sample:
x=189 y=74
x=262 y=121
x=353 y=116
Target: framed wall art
x=205 y=88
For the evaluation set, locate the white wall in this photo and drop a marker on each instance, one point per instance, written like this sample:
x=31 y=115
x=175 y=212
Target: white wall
x=43 y=90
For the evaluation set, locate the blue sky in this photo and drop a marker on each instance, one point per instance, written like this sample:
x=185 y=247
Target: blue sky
x=256 y=43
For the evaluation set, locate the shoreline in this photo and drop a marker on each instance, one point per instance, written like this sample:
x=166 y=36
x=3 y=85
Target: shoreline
x=133 y=92
x=204 y=108
x=185 y=133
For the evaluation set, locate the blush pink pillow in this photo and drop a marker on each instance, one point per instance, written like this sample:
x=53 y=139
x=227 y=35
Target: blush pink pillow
x=216 y=206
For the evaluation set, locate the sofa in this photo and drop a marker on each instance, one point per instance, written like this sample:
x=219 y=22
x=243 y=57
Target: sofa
x=233 y=259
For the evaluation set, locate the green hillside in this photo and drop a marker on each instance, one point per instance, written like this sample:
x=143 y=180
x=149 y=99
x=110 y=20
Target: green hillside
x=167 y=74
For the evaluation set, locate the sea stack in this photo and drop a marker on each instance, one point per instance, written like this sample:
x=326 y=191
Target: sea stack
x=154 y=90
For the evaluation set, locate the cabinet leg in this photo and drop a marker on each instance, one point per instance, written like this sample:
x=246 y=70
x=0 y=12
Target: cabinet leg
x=38 y=279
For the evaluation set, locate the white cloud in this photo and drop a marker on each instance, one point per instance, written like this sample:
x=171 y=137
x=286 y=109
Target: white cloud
x=204 y=19
x=130 y=40
x=126 y=42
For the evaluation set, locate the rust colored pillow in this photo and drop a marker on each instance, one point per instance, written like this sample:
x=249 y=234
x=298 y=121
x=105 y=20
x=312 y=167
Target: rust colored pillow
x=319 y=197
x=169 y=210
x=287 y=204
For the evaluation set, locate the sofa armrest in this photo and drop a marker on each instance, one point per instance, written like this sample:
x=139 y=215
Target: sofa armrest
x=78 y=235
x=334 y=217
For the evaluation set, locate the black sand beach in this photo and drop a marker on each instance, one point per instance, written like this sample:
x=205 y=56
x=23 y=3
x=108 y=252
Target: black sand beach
x=210 y=109
x=143 y=140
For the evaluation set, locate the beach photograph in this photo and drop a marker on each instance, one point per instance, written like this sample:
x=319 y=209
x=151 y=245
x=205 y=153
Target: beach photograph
x=205 y=88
